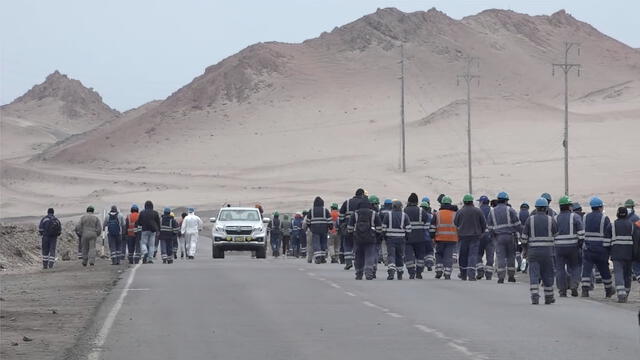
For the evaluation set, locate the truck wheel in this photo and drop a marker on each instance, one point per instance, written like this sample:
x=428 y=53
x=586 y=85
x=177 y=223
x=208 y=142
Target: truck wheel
x=217 y=253
x=261 y=253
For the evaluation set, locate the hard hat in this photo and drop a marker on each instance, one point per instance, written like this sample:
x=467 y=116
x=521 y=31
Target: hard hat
x=172 y=214
x=524 y=205
x=576 y=206
x=629 y=203
x=134 y=207
x=596 y=202
x=90 y=208
x=546 y=196
x=374 y=200
x=483 y=199
x=503 y=196
x=542 y=202
x=166 y=210
x=564 y=200
x=446 y=200
x=275 y=213
x=388 y=202
x=334 y=206
x=467 y=198
x=425 y=204
x=190 y=210
x=426 y=199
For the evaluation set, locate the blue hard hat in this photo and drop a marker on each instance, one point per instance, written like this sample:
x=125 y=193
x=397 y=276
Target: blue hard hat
x=483 y=199
x=524 y=205
x=388 y=201
x=503 y=196
x=542 y=202
x=134 y=207
x=546 y=196
x=596 y=202
x=191 y=210
x=426 y=199
x=576 y=206
x=167 y=210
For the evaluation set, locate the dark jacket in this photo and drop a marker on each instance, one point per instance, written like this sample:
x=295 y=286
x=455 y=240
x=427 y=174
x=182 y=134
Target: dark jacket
x=364 y=211
x=275 y=226
x=47 y=226
x=149 y=220
x=169 y=228
x=396 y=226
x=420 y=223
x=319 y=218
x=538 y=236
x=347 y=209
x=622 y=233
x=470 y=221
x=595 y=225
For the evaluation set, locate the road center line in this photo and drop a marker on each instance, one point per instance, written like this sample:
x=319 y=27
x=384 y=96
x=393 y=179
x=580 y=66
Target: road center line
x=350 y=293
x=451 y=342
x=395 y=315
x=101 y=337
x=372 y=305
x=335 y=285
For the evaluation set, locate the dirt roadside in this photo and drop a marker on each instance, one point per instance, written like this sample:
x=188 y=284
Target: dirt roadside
x=42 y=313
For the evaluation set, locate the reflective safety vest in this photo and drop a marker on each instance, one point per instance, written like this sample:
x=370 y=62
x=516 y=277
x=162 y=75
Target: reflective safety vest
x=445 y=228
x=131 y=227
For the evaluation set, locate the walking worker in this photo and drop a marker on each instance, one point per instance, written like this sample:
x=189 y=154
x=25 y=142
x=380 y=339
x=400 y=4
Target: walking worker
x=504 y=225
x=286 y=234
x=567 y=248
x=446 y=237
x=182 y=244
x=596 y=248
x=523 y=215
x=537 y=238
x=149 y=223
x=471 y=224
x=364 y=226
x=190 y=228
x=50 y=228
x=319 y=223
x=133 y=235
x=623 y=233
x=89 y=229
x=296 y=234
x=416 y=246
x=114 y=225
x=334 y=236
x=168 y=232
x=429 y=258
x=396 y=226
x=275 y=234
x=346 y=210
x=486 y=247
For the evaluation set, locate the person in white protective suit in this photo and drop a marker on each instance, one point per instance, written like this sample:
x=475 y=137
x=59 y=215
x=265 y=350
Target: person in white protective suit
x=191 y=225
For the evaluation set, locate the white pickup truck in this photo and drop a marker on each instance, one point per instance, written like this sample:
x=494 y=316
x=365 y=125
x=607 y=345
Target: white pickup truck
x=239 y=229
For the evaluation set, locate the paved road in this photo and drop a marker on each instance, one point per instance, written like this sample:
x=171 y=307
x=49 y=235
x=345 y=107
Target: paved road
x=243 y=308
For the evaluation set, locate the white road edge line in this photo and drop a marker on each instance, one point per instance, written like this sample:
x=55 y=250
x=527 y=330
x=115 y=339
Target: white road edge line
x=370 y=304
x=101 y=337
x=451 y=342
x=335 y=285
x=350 y=293
x=395 y=315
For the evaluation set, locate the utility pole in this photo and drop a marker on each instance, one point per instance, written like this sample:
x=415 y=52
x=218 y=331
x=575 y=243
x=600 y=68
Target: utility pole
x=566 y=67
x=468 y=77
x=402 y=140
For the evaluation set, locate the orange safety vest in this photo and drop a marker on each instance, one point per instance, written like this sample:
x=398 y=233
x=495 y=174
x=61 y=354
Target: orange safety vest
x=334 y=218
x=445 y=229
x=131 y=228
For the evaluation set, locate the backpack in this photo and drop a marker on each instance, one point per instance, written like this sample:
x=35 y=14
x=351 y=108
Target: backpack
x=54 y=228
x=362 y=232
x=113 y=225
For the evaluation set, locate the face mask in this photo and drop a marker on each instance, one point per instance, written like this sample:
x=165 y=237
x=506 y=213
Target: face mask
x=629 y=210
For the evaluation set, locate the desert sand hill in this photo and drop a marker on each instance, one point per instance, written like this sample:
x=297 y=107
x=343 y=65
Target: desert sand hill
x=50 y=112
x=283 y=122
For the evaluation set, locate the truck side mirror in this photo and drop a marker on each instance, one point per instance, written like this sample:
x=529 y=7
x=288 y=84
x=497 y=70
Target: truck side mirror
x=212 y=220
x=266 y=220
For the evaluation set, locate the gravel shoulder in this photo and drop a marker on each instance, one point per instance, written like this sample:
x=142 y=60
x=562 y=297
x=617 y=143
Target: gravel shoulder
x=43 y=313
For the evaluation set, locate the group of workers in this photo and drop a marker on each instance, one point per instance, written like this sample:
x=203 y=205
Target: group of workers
x=570 y=248
x=135 y=236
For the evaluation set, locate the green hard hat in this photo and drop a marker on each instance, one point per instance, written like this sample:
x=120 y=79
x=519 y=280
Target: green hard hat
x=334 y=206
x=446 y=200
x=374 y=200
x=275 y=213
x=565 y=200
x=467 y=198
x=425 y=204
x=629 y=203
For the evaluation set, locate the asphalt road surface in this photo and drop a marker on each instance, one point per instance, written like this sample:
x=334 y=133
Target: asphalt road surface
x=243 y=308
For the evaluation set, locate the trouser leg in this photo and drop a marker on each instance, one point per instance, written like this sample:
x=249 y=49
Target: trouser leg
x=490 y=253
x=45 y=251
x=400 y=256
x=534 y=279
x=90 y=250
x=80 y=248
x=193 y=244
x=145 y=246
x=574 y=269
x=547 y=274
x=163 y=249
x=359 y=259
x=472 y=258
x=440 y=251
x=602 y=264
x=622 y=275
x=447 y=260
x=561 y=272
x=348 y=249
x=410 y=258
x=481 y=250
x=285 y=244
x=113 y=249
x=342 y=249
x=392 y=248
x=317 y=251
x=156 y=243
x=420 y=251
x=429 y=258
x=53 y=242
x=323 y=245
x=502 y=254
x=511 y=257
x=587 y=269
x=463 y=257
x=370 y=260
x=130 y=248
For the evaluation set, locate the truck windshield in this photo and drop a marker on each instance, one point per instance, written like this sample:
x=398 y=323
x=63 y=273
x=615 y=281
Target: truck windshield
x=239 y=215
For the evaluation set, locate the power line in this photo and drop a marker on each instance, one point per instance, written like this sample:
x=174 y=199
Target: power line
x=566 y=67
x=468 y=77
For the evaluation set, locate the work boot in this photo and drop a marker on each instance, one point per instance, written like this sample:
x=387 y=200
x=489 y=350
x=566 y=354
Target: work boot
x=438 y=274
x=511 y=279
x=500 y=280
x=149 y=261
x=608 y=292
x=50 y=264
x=462 y=277
x=358 y=276
x=45 y=265
x=535 y=300
x=348 y=266
x=84 y=264
x=317 y=260
x=419 y=276
x=155 y=253
x=334 y=260
x=479 y=274
x=400 y=275
x=370 y=277
x=181 y=254
x=341 y=259
x=447 y=276
x=574 y=292
x=164 y=261
x=429 y=268
x=598 y=280
x=390 y=275
x=563 y=293
x=488 y=276
x=412 y=276
x=170 y=261
x=585 y=292
x=175 y=255
x=549 y=299
x=622 y=299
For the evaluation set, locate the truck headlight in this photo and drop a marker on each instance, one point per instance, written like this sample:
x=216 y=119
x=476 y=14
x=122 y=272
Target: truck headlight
x=219 y=228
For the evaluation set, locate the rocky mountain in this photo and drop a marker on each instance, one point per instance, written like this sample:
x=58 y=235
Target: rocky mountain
x=50 y=112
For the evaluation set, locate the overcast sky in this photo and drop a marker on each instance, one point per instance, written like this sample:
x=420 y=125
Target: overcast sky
x=135 y=51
